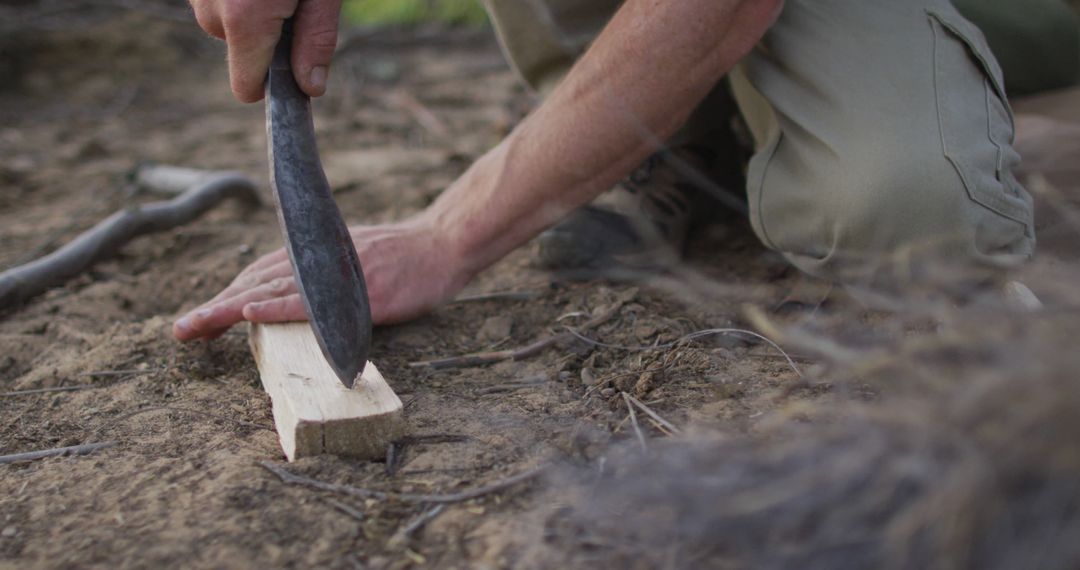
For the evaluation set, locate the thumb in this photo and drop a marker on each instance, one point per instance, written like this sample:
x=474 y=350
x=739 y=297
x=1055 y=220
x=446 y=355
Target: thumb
x=314 y=39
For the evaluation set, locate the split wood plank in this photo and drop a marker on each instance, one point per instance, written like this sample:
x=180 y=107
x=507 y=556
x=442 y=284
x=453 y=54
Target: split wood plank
x=313 y=412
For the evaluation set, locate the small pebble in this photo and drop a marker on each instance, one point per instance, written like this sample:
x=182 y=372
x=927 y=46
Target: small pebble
x=607 y=392
x=587 y=377
x=9 y=532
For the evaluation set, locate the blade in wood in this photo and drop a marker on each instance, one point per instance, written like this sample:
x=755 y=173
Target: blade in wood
x=324 y=260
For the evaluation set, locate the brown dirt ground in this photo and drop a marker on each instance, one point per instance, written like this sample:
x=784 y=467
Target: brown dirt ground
x=88 y=101
x=182 y=487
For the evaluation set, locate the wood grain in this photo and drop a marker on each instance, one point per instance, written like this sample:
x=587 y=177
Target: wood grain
x=313 y=412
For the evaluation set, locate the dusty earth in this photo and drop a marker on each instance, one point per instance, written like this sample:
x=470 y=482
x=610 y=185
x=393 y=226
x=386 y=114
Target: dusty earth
x=89 y=101
x=980 y=406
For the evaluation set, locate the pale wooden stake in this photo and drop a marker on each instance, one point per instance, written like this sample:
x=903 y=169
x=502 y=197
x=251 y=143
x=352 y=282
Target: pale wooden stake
x=313 y=412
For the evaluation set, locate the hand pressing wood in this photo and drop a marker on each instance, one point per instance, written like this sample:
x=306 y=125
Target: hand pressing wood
x=313 y=412
x=108 y=236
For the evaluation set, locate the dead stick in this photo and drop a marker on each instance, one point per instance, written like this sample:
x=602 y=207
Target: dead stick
x=634 y=422
x=49 y=390
x=59 y=451
x=435 y=438
x=170 y=180
x=814 y=344
x=129 y=372
x=108 y=236
x=497 y=296
x=522 y=353
x=417 y=523
x=354 y=513
x=423 y=519
x=128 y=416
x=671 y=427
x=512 y=386
x=293 y=479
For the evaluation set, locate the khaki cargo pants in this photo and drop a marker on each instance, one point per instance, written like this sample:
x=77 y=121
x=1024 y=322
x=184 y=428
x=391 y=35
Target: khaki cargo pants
x=882 y=129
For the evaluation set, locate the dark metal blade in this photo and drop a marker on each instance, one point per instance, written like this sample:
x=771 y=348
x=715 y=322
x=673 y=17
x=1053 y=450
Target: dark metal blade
x=320 y=248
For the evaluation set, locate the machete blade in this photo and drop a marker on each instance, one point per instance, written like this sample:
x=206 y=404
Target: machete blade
x=321 y=251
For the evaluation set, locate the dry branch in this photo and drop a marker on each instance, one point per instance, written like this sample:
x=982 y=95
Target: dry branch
x=107 y=237
x=688 y=337
x=293 y=479
x=651 y=413
x=497 y=296
x=481 y=358
x=60 y=451
x=354 y=513
x=417 y=523
x=202 y=413
x=170 y=180
x=52 y=390
x=817 y=345
x=634 y=422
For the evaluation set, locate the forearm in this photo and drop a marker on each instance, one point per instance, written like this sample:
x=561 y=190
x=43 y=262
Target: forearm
x=636 y=85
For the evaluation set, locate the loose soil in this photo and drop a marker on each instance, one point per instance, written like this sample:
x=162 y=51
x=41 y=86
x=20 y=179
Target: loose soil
x=407 y=111
x=182 y=487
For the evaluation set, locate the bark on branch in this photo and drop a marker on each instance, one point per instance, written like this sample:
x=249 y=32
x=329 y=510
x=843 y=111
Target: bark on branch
x=106 y=238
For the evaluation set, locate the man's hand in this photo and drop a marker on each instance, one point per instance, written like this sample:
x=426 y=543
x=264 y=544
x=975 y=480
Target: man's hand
x=637 y=84
x=251 y=29
x=408 y=270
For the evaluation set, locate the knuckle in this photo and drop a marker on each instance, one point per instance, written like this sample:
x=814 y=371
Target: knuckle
x=246 y=281
x=236 y=11
x=280 y=285
x=207 y=18
x=322 y=40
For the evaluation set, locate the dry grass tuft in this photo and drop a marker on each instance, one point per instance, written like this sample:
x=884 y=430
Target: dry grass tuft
x=952 y=444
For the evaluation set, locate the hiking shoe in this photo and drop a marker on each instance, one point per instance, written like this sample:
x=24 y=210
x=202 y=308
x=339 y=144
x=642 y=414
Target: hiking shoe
x=642 y=223
x=1020 y=297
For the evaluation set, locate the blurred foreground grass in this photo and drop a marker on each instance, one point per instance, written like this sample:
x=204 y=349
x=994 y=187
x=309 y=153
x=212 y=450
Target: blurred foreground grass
x=380 y=12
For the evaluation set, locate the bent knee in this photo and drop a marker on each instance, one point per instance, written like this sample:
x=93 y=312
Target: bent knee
x=912 y=207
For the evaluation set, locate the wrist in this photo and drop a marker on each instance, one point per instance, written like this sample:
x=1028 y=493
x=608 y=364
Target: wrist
x=463 y=221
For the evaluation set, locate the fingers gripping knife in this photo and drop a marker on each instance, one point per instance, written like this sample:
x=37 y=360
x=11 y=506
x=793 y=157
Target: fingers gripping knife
x=320 y=248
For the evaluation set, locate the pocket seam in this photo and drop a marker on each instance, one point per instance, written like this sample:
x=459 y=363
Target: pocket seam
x=993 y=71
x=767 y=155
x=992 y=85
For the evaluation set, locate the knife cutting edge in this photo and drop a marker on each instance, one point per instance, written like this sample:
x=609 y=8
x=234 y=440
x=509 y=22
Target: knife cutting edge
x=324 y=260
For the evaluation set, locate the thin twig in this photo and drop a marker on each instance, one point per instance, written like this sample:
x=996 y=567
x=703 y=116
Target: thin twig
x=444 y=470
x=502 y=389
x=652 y=414
x=435 y=438
x=634 y=423
x=692 y=336
x=512 y=386
x=60 y=451
x=129 y=372
x=660 y=427
x=48 y=242
x=799 y=338
x=170 y=180
x=108 y=236
x=423 y=519
x=522 y=353
x=293 y=479
x=496 y=296
x=395 y=453
x=189 y=411
x=416 y=524
x=49 y=390
x=354 y=513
